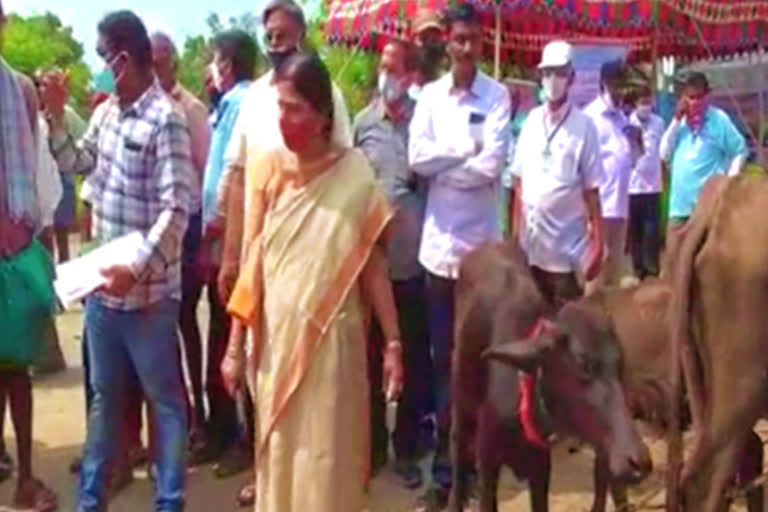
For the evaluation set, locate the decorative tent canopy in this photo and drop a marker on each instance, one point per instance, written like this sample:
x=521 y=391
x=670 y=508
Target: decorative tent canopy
x=687 y=29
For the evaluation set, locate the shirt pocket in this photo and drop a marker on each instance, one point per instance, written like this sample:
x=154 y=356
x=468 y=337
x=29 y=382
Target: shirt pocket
x=567 y=164
x=135 y=154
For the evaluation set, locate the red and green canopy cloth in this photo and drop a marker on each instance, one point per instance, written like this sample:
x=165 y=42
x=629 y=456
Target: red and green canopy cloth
x=687 y=29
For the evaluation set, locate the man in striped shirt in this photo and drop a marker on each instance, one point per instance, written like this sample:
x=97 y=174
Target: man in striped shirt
x=139 y=149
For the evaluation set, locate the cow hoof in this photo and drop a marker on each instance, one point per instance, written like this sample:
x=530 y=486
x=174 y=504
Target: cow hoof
x=435 y=500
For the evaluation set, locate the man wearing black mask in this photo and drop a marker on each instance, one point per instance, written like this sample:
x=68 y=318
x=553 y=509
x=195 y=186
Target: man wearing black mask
x=257 y=130
x=428 y=31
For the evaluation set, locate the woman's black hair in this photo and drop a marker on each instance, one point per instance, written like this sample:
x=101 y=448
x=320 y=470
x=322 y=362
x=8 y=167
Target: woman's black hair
x=311 y=79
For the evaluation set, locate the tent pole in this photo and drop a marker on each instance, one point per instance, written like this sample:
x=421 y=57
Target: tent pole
x=761 y=104
x=497 y=42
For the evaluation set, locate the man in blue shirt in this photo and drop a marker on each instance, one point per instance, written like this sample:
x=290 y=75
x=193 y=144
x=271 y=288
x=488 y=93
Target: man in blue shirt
x=701 y=142
x=232 y=70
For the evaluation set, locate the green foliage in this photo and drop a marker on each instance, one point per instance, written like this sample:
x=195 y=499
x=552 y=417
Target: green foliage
x=43 y=43
x=194 y=57
x=354 y=71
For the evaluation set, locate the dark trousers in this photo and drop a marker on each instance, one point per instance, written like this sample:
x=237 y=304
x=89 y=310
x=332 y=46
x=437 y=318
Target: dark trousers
x=440 y=317
x=411 y=311
x=556 y=287
x=191 y=289
x=644 y=236
x=222 y=419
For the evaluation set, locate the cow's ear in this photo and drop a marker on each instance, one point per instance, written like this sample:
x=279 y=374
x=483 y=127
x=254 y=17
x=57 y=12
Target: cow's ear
x=525 y=354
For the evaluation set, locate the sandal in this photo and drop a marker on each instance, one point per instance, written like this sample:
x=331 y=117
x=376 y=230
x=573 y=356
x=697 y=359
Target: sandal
x=247 y=496
x=6 y=466
x=34 y=495
x=234 y=462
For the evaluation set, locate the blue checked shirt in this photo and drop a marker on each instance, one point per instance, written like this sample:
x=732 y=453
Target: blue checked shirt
x=142 y=173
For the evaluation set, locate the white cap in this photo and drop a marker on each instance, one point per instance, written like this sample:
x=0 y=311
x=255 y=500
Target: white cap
x=556 y=55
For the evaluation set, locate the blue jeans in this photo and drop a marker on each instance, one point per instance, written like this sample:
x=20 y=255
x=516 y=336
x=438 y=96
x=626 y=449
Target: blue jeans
x=145 y=341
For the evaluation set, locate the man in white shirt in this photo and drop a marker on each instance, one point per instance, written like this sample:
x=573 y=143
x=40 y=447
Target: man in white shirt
x=618 y=157
x=645 y=188
x=458 y=141
x=257 y=130
x=557 y=171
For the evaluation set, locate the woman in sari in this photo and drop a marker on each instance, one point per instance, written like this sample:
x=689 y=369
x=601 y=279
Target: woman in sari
x=315 y=261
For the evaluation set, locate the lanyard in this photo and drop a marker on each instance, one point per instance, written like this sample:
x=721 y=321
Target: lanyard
x=554 y=132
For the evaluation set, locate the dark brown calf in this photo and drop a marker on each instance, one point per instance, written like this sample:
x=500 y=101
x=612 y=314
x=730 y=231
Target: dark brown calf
x=574 y=359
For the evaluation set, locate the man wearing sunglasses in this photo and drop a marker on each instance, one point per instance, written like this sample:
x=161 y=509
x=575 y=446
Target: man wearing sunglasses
x=137 y=150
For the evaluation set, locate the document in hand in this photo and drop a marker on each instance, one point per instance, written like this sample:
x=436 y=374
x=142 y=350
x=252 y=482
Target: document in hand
x=78 y=278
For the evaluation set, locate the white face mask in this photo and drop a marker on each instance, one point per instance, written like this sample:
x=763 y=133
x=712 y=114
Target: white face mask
x=215 y=76
x=391 y=89
x=554 y=87
x=644 y=111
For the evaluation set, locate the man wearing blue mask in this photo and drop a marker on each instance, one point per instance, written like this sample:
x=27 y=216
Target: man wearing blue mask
x=137 y=149
x=381 y=131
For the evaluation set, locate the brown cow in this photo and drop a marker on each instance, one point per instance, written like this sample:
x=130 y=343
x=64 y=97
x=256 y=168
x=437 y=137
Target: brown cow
x=720 y=300
x=575 y=361
x=641 y=318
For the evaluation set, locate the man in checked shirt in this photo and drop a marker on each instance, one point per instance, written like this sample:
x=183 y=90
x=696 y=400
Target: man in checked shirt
x=138 y=147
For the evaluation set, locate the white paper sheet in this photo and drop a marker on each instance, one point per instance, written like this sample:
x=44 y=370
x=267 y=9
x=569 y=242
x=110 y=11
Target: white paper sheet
x=78 y=278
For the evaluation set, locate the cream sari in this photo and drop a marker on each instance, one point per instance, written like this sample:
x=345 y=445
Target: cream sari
x=298 y=292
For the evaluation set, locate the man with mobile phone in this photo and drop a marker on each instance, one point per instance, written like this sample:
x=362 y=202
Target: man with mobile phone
x=701 y=142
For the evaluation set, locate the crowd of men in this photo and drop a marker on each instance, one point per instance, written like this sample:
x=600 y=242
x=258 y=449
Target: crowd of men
x=586 y=186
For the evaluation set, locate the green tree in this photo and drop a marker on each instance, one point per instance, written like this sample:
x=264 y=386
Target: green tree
x=353 y=70
x=194 y=57
x=43 y=43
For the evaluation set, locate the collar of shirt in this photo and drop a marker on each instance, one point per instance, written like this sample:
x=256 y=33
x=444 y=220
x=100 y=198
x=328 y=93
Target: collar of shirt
x=176 y=92
x=606 y=110
x=477 y=89
x=406 y=115
x=556 y=116
x=237 y=90
x=144 y=102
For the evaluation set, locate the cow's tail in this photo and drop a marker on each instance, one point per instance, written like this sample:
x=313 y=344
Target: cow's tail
x=685 y=363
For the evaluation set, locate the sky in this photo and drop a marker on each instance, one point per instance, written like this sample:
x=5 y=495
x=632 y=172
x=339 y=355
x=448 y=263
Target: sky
x=179 y=18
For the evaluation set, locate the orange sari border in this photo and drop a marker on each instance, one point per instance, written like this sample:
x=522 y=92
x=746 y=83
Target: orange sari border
x=377 y=218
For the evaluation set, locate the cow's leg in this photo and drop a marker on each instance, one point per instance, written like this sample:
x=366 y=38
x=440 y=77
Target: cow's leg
x=707 y=491
x=463 y=427
x=750 y=468
x=488 y=475
x=601 y=480
x=489 y=439
x=539 y=465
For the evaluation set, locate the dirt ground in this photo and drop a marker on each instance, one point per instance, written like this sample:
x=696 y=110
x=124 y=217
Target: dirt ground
x=59 y=429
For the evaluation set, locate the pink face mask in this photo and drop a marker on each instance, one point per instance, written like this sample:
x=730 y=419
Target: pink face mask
x=697 y=109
